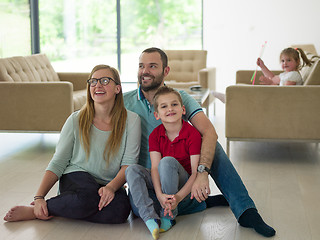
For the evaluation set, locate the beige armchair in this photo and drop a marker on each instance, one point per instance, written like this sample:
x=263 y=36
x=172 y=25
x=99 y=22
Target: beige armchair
x=273 y=113
x=189 y=68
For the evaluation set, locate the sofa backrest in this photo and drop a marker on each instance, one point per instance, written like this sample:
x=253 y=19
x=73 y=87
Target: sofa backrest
x=313 y=77
x=185 y=64
x=34 y=68
x=307 y=48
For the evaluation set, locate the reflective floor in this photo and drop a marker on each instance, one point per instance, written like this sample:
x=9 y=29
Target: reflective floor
x=282 y=178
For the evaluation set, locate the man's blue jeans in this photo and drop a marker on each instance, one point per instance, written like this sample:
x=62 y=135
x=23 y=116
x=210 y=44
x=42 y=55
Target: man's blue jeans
x=144 y=202
x=229 y=183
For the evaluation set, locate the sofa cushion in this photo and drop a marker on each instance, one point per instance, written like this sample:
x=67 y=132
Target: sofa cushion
x=180 y=85
x=314 y=76
x=34 y=68
x=79 y=99
x=41 y=68
x=185 y=65
x=15 y=69
x=305 y=72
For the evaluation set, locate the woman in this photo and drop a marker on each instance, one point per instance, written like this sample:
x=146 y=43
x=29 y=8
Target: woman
x=95 y=147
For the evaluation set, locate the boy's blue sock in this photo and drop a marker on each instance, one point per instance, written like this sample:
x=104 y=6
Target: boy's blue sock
x=153 y=226
x=166 y=224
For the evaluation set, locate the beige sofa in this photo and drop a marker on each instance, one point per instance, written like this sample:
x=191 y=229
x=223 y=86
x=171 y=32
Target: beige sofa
x=34 y=98
x=273 y=113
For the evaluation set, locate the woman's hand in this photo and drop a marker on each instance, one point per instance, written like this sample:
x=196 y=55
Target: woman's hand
x=106 y=194
x=41 y=209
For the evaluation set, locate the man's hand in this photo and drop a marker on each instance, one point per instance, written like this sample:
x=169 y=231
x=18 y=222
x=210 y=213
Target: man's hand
x=200 y=188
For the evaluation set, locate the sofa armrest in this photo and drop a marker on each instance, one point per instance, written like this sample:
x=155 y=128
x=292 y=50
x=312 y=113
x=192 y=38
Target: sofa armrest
x=79 y=80
x=36 y=107
x=273 y=112
x=207 y=78
x=244 y=76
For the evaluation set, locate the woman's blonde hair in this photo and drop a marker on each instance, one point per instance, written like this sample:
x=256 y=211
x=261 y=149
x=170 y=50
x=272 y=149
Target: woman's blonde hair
x=118 y=118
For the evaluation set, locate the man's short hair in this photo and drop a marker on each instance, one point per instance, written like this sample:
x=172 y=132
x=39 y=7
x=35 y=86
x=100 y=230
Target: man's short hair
x=163 y=55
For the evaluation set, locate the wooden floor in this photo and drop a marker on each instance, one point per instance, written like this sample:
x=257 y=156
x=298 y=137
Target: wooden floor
x=282 y=178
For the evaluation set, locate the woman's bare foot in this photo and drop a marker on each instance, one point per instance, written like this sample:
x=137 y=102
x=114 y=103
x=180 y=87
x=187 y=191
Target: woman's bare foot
x=20 y=213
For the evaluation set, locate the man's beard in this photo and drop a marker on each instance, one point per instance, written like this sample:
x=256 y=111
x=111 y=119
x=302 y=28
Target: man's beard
x=155 y=84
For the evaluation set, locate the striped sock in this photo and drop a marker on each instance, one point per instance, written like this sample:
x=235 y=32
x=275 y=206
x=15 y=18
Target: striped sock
x=166 y=224
x=153 y=226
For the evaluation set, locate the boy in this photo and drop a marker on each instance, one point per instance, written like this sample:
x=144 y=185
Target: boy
x=174 y=148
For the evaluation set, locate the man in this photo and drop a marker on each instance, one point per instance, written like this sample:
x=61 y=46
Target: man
x=153 y=68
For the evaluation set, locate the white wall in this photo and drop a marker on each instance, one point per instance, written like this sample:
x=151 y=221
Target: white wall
x=234 y=32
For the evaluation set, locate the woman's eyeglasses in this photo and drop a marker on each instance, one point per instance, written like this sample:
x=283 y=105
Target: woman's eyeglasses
x=103 y=81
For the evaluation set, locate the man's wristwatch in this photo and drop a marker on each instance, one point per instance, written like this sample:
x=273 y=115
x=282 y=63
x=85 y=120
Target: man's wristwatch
x=202 y=168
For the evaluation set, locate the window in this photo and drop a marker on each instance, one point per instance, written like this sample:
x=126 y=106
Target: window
x=166 y=24
x=79 y=34
x=15 y=35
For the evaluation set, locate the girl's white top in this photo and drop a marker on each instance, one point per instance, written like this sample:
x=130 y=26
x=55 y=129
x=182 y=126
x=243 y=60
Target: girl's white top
x=293 y=76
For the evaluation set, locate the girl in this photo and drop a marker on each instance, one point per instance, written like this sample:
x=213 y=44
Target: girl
x=290 y=63
x=95 y=147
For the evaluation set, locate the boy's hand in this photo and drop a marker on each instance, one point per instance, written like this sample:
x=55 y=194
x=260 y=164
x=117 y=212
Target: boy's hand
x=168 y=210
x=164 y=199
x=170 y=204
x=166 y=203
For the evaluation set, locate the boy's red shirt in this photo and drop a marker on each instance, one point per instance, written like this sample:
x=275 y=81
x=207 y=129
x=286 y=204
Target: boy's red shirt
x=187 y=143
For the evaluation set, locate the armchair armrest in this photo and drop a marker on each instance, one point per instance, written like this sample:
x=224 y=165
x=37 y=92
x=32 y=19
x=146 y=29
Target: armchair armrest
x=207 y=78
x=244 y=76
x=35 y=107
x=77 y=79
x=273 y=112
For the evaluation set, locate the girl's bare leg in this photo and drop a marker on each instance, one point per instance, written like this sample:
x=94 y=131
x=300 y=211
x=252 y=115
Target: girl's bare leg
x=219 y=95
